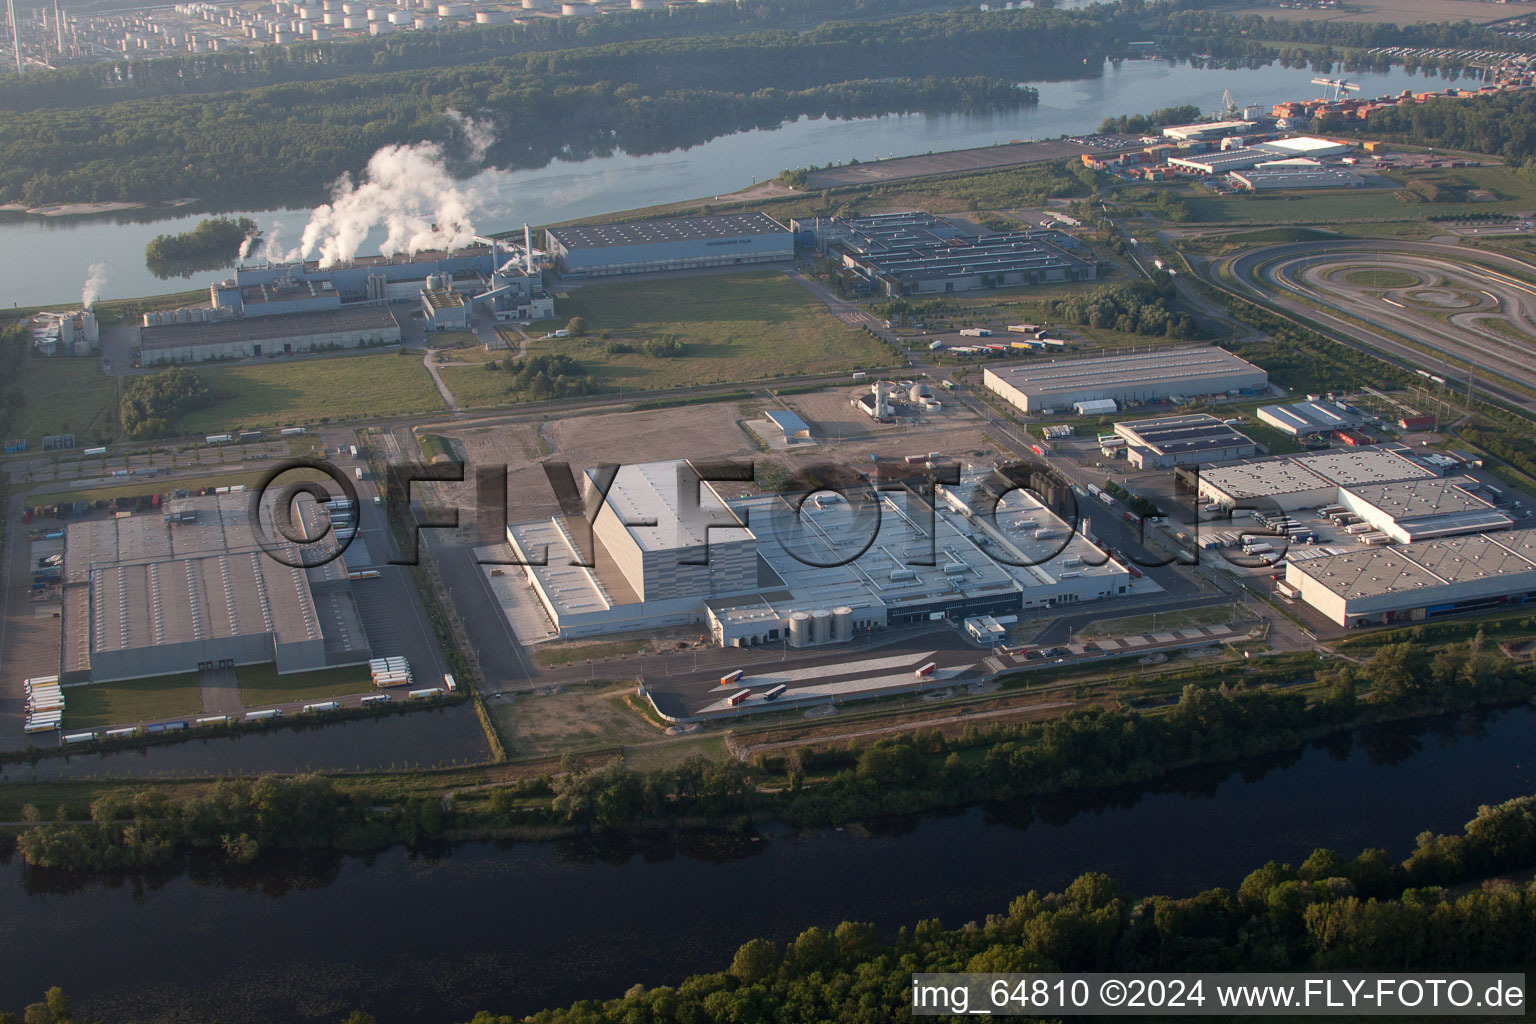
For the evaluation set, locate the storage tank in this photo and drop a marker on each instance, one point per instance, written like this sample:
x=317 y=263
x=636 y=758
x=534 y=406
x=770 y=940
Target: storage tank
x=538 y=5
x=356 y=21
x=380 y=28
x=354 y=8
x=577 y=10
x=919 y=392
x=333 y=18
x=282 y=38
x=821 y=626
x=401 y=18
x=492 y=18
x=799 y=629
x=319 y=35
x=427 y=21
x=453 y=10
x=646 y=5
x=842 y=624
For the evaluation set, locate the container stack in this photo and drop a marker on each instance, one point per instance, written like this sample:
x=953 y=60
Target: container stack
x=390 y=671
x=45 y=704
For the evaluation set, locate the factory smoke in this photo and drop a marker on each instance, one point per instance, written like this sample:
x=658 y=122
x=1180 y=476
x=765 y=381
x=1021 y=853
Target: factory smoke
x=94 y=283
x=248 y=243
x=408 y=192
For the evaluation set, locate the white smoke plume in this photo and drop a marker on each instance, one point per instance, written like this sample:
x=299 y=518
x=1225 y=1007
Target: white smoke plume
x=248 y=243
x=273 y=252
x=407 y=191
x=94 y=283
x=478 y=134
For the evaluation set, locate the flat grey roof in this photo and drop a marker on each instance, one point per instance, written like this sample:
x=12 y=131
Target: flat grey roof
x=1349 y=467
x=1173 y=435
x=1122 y=369
x=651 y=492
x=1373 y=572
x=676 y=229
x=1414 y=499
x=148 y=582
x=1263 y=478
x=1309 y=417
x=262 y=328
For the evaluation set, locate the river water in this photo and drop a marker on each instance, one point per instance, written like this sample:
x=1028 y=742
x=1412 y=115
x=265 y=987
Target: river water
x=59 y=250
x=415 y=938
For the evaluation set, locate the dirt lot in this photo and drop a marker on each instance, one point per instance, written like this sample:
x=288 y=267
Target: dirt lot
x=700 y=431
x=1400 y=12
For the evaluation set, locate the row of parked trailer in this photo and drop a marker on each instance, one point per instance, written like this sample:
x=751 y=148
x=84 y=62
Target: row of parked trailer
x=395 y=671
x=44 y=704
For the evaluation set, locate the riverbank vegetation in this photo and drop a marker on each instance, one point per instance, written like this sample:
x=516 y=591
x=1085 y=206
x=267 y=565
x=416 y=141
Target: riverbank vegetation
x=211 y=245
x=1329 y=913
x=1222 y=714
x=152 y=403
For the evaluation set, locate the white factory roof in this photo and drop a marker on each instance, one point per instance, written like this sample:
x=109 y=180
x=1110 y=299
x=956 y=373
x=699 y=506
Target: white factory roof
x=1470 y=559
x=572 y=589
x=1306 y=145
x=674 y=229
x=658 y=493
x=1350 y=467
x=1263 y=478
x=1165 y=366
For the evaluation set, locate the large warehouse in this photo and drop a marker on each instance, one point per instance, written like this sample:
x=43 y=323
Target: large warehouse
x=1156 y=375
x=1369 y=586
x=1312 y=480
x=661 y=560
x=247 y=337
x=1318 y=416
x=1169 y=441
x=681 y=243
x=920 y=254
x=151 y=595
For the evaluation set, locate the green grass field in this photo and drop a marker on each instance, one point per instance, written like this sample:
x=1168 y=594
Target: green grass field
x=1333 y=205
x=735 y=327
x=135 y=700
x=309 y=391
x=68 y=395
x=261 y=685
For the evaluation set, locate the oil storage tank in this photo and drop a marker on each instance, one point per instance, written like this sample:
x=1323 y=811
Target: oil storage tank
x=842 y=624
x=821 y=626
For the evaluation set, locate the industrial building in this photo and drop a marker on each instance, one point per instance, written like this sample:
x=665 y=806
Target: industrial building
x=1375 y=585
x=1170 y=441
x=1126 y=378
x=1292 y=482
x=1423 y=509
x=669 y=549
x=247 y=337
x=65 y=333
x=681 y=243
x=919 y=254
x=161 y=594
x=1315 y=416
x=267 y=309
x=790 y=424
x=1206 y=130
x=1288 y=174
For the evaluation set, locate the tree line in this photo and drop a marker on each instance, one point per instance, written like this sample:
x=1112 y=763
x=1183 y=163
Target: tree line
x=1137 y=307
x=211 y=244
x=1220 y=717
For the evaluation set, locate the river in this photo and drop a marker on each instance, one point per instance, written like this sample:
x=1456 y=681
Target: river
x=420 y=938
x=59 y=250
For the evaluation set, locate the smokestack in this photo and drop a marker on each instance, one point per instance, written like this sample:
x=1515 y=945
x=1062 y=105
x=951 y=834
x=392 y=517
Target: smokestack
x=10 y=10
x=528 y=249
x=58 y=26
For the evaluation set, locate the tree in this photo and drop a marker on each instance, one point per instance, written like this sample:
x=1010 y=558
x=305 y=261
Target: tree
x=757 y=960
x=576 y=327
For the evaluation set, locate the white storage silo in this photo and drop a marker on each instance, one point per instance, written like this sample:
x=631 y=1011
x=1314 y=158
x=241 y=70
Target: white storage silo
x=799 y=629
x=492 y=18
x=821 y=626
x=842 y=624
x=580 y=9
x=355 y=21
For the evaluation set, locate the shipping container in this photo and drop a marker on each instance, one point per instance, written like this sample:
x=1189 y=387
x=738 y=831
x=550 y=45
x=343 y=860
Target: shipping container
x=730 y=677
x=774 y=692
x=435 y=691
x=927 y=670
x=738 y=697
